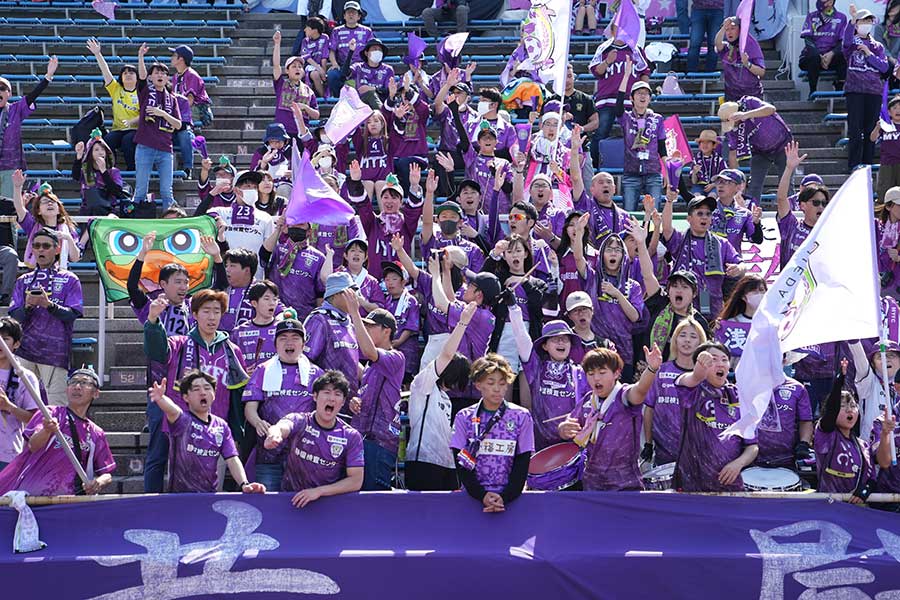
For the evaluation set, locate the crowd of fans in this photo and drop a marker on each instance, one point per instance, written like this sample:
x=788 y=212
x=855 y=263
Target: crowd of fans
x=540 y=311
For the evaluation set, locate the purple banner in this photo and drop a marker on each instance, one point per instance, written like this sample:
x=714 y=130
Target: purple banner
x=550 y=545
x=733 y=334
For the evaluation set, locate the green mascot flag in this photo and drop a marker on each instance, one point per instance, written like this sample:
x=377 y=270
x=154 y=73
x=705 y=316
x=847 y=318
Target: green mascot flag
x=117 y=243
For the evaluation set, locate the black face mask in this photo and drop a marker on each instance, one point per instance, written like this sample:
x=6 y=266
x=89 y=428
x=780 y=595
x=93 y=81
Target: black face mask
x=449 y=228
x=298 y=234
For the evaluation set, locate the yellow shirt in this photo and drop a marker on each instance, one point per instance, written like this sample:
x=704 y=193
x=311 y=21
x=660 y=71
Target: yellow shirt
x=124 y=105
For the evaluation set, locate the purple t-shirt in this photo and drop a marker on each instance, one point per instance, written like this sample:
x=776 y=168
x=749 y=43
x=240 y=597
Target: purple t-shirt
x=765 y=135
x=295 y=396
x=608 y=84
x=614 y=447
x=478 y=168
x=194 y=450
x=379 y=393
x=506 y=135
x=733 y=223
x=408 y=136
x=890 y=147
x=642 y=136
x=336 y=236
x=793 y=232
x=11 y=428
x=301 y=285
x=331 y=343
x=406 y=312
x=475 y=340
x=372 y=153
x=257 y=342
x=710 y=166
x=604 y=219
x=378 y=77
x=48 y=471
x=689 y=252
x=47 y=340
x=778 y=431
x=708 y=412
x=316 y=49
x=825 y=31
x=841 y=461
x=449 y=135
x=739 y=81
x=11 y=154
x=190 y=83
x=667 y=414
x=382 y=227
x=340 y=41
x=473 y=252
x=285 y=95
x=512 y=434
x=888 y=479
x=176 y=319
x=156 y=132
x=317 y=456
x=556 y=388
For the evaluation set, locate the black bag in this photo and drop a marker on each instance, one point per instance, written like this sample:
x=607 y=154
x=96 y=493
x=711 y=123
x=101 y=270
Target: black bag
x=81 y=131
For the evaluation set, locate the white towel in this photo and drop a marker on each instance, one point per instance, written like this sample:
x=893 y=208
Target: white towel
x=402 y=303
x=272 y=373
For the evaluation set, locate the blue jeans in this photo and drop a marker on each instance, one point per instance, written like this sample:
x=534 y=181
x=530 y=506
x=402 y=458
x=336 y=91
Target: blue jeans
x=336 y=81
x=146 y=159
x=157 y=451
x=705 y=23
x=379 y=467
x=684 y=22
x=818 y=391
x=184 y=141
x=270 y=476
x=635 y=186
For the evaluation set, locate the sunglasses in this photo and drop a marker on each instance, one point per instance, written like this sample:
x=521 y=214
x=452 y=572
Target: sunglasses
x=43 y=245
x=517 y=217
x=818 y=203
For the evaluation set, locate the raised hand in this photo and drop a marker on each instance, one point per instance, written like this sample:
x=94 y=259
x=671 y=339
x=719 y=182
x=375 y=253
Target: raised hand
x=143 y=50
x=355 y=171
x=276 y=37
x=654 y=357
x=704 y=365
x=792 y=154
x=431 y=182
x=397 y=242
x=52 y=65
x=18 y=178
x=93 y=46
x=158 y=391
x=157 y=306
x=415 y=175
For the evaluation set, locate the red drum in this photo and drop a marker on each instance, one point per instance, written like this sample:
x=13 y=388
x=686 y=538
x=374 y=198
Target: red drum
x=556 y=467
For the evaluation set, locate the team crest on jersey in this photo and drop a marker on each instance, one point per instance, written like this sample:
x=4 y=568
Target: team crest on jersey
x=510 y=425
x=336 y=450
x=785 y=394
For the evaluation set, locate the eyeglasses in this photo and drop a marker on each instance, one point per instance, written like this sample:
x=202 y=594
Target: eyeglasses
x=43 y=245
x=517 y=217
x=614 y=250
x=82 y=383
x=818 y=203
x=540 y=184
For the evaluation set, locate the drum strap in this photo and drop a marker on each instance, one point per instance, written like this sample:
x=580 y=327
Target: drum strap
x=422 y=427
x=676 y=477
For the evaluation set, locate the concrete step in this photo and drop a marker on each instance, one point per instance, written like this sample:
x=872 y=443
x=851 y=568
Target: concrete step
x=119 y=420
x=129 y=354
x=129 y=484
x=130 y=399
x=127 y=378
x=129 y=464
x=132 y=441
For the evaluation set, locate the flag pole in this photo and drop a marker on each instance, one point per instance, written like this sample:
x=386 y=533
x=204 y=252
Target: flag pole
x=882 y=341
x=35 y=394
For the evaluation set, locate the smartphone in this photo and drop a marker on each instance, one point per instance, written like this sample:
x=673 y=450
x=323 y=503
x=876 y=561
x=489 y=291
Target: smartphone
x=36 y=292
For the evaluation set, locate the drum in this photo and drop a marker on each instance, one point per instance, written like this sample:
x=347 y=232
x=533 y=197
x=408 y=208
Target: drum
x=760 y=479
x=660 y=478
x=556 y=467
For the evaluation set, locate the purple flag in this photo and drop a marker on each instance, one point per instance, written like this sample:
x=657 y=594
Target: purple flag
x=415 y=50
x=745 y=14
x=887 y=125
x=107 y=9
x=449 y=49
x=627 y=25
x=199 y=145
x=346 y=115
x=313 y=200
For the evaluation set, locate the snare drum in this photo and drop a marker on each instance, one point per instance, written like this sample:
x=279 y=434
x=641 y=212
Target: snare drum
x=660 y=478
x=760 y=479
x=556 y=467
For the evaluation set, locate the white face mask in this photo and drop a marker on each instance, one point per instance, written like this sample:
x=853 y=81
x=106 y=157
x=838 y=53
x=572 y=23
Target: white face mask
x=325 y=162
x=223 y=182
x=864 y=29
x=375 y=56
x=754 y=299
x=249 y=196
x=483 y=108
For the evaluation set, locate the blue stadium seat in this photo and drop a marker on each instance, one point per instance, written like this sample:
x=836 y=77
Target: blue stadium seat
x=613 y=152
x=835 y=117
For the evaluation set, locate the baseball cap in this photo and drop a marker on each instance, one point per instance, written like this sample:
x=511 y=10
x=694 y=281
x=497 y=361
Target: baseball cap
x=394 y=267
x=448 y=205
x=254 y=177
x=698 y=201
x=468 y=183
x=811 y=178
x=686 y=276
x=352 y=5
x=290 y=325
x=184 y=51
x=462 y=86
x=640 y=85
x=382 y=318
x=892 y=195
x=337 y=283
x=732 y=175
x=489 y=286
x=85 y=372
x=863 y=13
x=578 y=300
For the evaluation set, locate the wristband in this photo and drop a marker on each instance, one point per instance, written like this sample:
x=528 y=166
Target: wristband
x=246 y=483
x=652 y=370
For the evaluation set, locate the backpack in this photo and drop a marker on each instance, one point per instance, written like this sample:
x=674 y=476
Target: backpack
x=81 y=131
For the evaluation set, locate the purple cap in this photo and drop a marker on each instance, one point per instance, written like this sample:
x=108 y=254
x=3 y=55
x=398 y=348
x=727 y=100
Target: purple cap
x=811 y=178
x=732 y=175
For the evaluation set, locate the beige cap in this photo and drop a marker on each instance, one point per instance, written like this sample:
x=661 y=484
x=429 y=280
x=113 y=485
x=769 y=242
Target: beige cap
x=725 y=111
x=578 y=300
x=892 y=195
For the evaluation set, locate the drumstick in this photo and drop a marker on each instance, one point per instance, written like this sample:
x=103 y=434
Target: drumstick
x=524 y=277
x=559 y=418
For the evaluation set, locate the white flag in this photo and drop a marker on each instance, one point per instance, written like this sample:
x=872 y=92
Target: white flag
x=827 y=292
x=546 y=40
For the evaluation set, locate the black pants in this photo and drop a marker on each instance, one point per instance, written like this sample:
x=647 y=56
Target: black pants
x=427 y=477
x=862 y=114
x=811 y=62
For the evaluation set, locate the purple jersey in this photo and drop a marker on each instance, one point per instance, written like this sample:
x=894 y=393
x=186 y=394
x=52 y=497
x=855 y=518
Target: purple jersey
x=382 y=227
x=340 y=41
x=317 y=456
x=11 y=154
x=31 y=226
x=824 y=31
x=46 y=339
x=335 y=236
x=449 y=134
x=473 y=252
x=864 y=71
x=479 y=169
x=888 y=479
x=778 y=431
x=553 y=218
x=295 y=270
x=315 y=50
x=240 y=309
x=512 y=434
x=406 y=312
x=710 y=166
x=372 y=153
x=734 y=223
x=286 y=93
x=293 y=395
x=11 y=428
x=609 y=320
x=257 y=342
x=689 y=252
x=890 y=147
x=368 y=287
x=642 y=136
x=475 y=340
x=556 y=388
x=48 y=471
x=841 y=461
x=194 y=450
x=739 y=81
x=793 y=232
x=176 y=319
x=379 y=393
x=614 y=445
x=189 y=84
x=377 y=77
x=667 y=414
x=408 y=136
x=708 y=412
x=156 y=132
x=608 y=83
x=331 y=343
x=763 y=135
x=435 y=320
x=604 y=219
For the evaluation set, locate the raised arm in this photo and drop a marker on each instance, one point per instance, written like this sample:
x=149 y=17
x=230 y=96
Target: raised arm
x=403 y=257
x=158 y=395
x=577 y=244
x=638 y=392
x=452 y=344
x=439 y=296
x=792 y=153
x=520 y=332
x=701 y=367
x=575 y=176
x=637 y=231
x=367 y=347
x=278 y=433
x=18 y=179
x=142 y=67
x=276 y=55
x=94 y=47
x=668 y=207
x=720 y=36
x=428 y=208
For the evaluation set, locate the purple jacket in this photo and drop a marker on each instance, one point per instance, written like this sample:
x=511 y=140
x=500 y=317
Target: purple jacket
x=863 y=72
